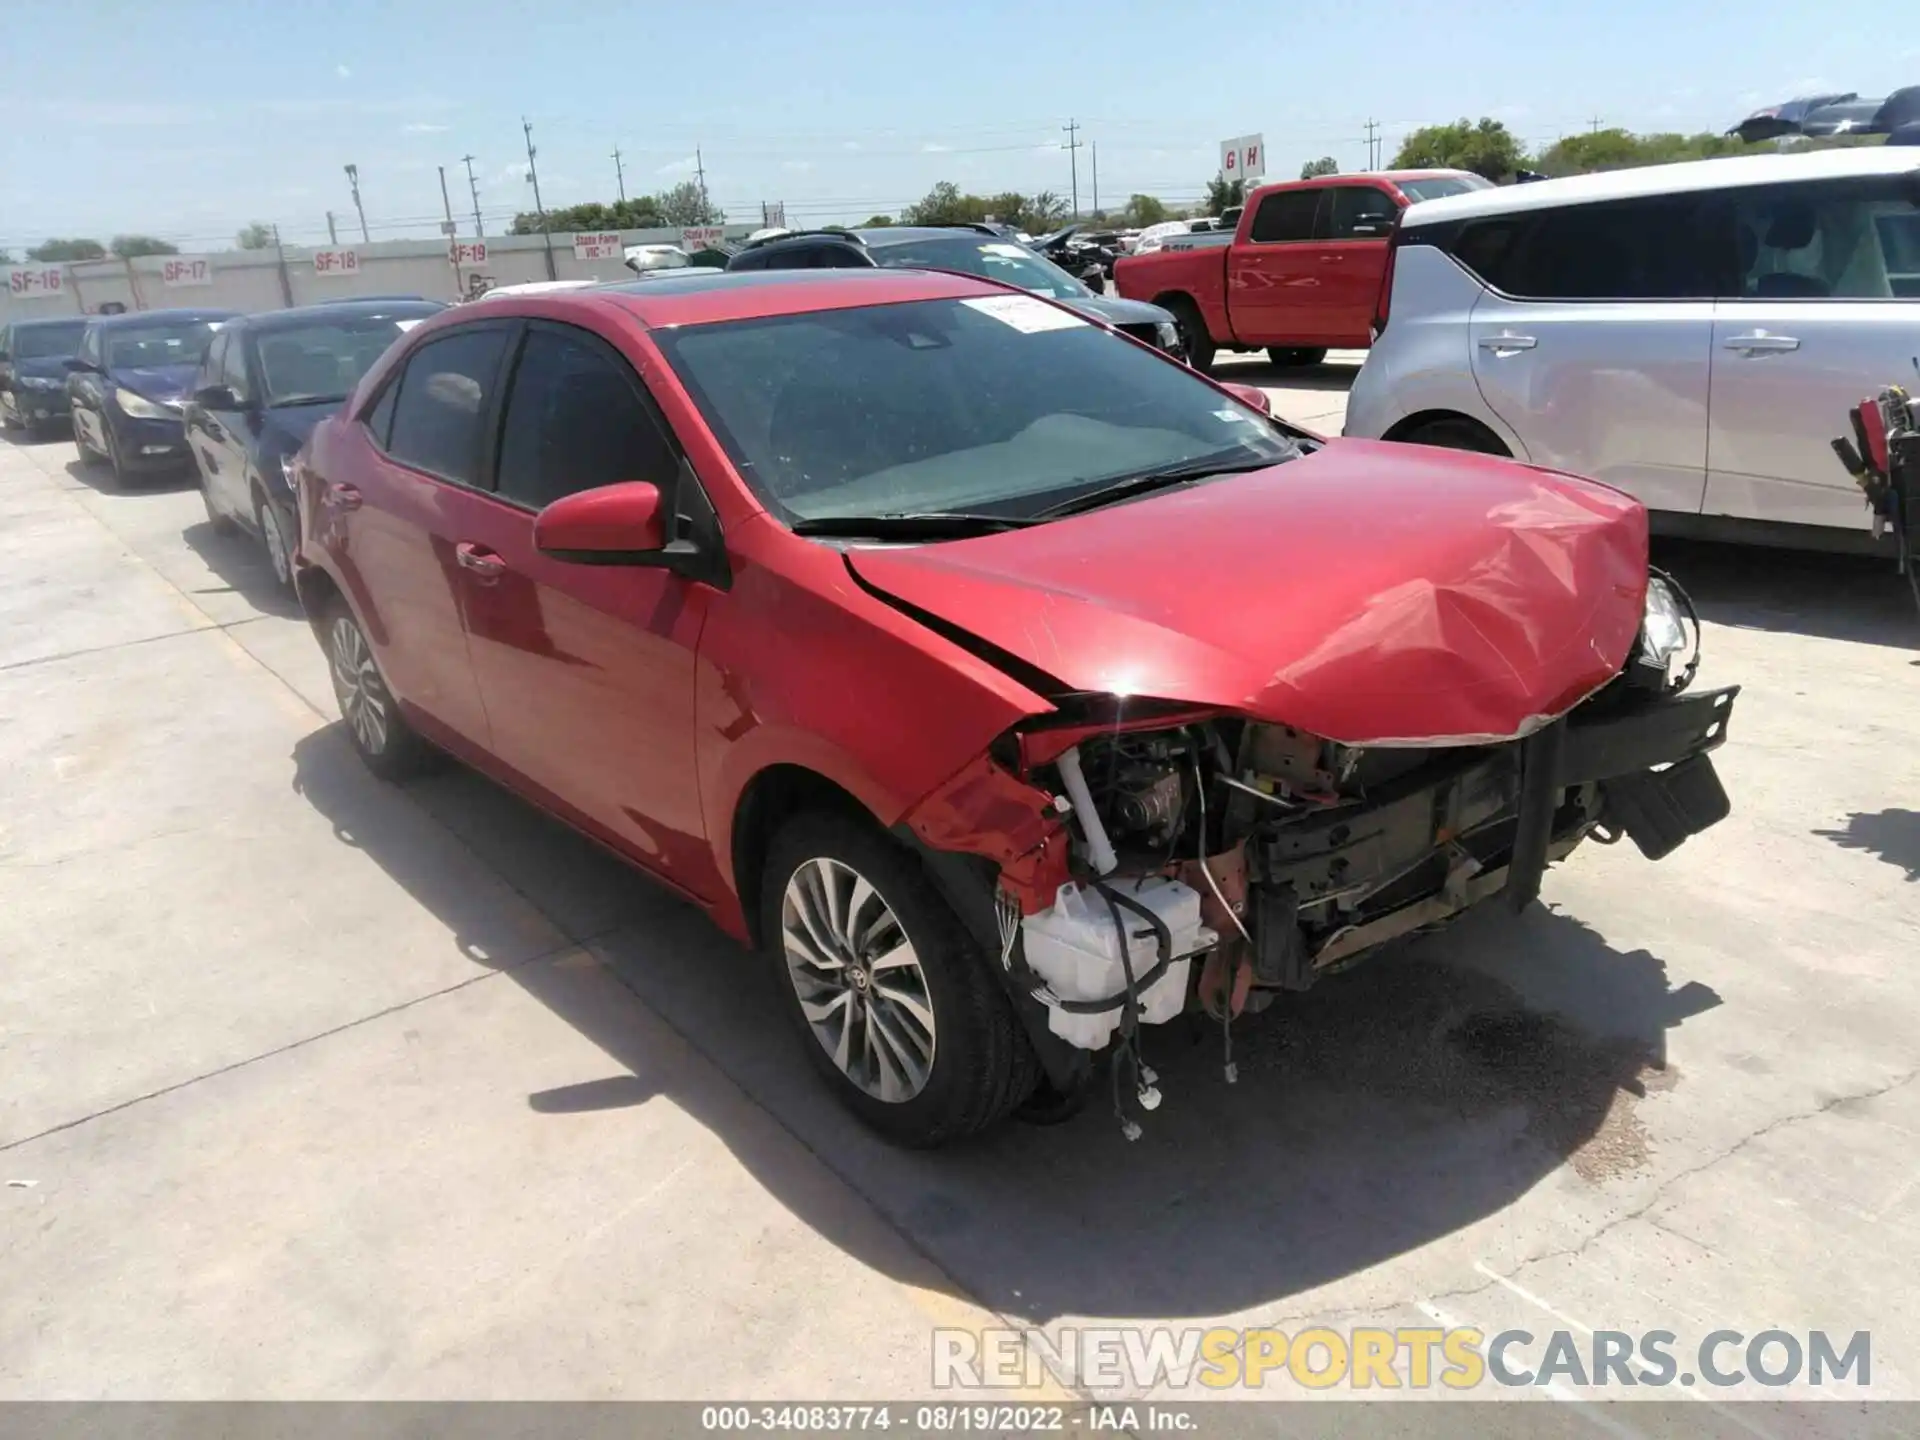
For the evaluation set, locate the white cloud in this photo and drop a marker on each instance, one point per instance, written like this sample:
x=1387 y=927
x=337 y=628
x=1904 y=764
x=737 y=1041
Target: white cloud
x=680 y=167
x=851 y=145
x=932 y=149
x=797 y=167
x=514 y=174
x=422 y=127
x=343 y=72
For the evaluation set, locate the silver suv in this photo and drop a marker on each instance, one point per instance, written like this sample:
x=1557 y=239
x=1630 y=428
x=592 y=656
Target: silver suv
x=1694 y=334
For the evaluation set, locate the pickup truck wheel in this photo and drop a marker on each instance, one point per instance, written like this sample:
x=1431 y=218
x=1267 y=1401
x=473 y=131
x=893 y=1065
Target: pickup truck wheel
x=1457 y=433
x=1290 y=356
x=1194 y=338
x=896 y=1007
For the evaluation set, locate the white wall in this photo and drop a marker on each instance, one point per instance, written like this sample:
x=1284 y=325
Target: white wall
x=251 y=280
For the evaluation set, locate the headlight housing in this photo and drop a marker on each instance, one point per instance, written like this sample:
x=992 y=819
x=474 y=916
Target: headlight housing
x=1166 y=335
x=41 y=382
x=1669 y=644
x=138 y=406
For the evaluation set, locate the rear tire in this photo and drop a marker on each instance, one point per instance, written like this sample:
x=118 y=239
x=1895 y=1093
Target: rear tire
x=1194 y=338
x=1289 y=356
x=1457 y=433
x=274 y=538
x=380 y=735
x=895 y=1005
x=120 y=477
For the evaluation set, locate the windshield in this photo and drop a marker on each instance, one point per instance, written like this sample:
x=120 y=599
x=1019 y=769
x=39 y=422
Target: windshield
x=151 y=346
x=48 y=342
x=325 y=360
x=1445 y=185
x=1000 y=405
x=976 y=255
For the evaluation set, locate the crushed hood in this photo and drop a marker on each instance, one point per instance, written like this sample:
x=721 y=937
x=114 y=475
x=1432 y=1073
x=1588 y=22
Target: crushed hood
x=1370 y=593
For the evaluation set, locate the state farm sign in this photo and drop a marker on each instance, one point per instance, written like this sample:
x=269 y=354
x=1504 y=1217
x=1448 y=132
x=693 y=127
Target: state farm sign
x=602 y=246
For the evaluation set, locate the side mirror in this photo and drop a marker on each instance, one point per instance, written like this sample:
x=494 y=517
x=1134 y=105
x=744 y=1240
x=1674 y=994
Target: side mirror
x=216 y=397
x=1251 y=395
x=614 y=525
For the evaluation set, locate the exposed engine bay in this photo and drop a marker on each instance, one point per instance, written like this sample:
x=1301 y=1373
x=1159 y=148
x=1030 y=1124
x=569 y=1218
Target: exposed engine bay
x=1217 y=862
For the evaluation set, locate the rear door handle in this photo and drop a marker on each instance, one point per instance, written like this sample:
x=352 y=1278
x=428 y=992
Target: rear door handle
x=343 y=497
x=1761 y=343
x=480 y=560
x=1503 y=344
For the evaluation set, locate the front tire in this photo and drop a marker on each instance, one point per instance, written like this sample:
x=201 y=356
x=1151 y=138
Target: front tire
x=390 y=747
x=273 y=535
x=894 y=1002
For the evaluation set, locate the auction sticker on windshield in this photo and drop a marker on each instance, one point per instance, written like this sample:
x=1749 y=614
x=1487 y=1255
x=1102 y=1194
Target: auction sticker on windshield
x=1024 y=313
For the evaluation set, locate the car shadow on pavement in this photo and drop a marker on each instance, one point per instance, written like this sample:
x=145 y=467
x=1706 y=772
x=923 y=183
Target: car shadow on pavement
x=1893 y=835
x=98 y=475
x=1331 y=375
x=240 y=563
x=1381 y=1110
x=1834 y=597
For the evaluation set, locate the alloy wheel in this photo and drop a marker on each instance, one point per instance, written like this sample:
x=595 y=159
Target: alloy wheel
x=275 y=538
x=362 y=694
x=858 y=980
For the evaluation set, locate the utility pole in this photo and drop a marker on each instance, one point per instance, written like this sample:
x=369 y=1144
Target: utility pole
x=1593 y=126
x=1373 y=143
x=539 y=208
x=333 y=235
x=700 y=170
x=1072 y=147
x=452 y=233
x=474 y=186
x=1093 y=147
x=353 y=181
x=620 y=174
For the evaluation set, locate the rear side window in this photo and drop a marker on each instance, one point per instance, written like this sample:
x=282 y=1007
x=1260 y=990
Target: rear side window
x=1287 y=215
x=796 y=257
x=438 y=418
x=1839 y=240
x=575 y=421
x=1360 y=212
x=1655 y=249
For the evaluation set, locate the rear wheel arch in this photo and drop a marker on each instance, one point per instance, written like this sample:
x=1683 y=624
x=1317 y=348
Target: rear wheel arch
x=1451 y=429
x=317 y=591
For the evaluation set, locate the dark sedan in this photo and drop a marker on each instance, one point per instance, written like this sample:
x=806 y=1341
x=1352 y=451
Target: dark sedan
x=968 y=250
x=33 y=372
x=129 y=385
x=267 y=380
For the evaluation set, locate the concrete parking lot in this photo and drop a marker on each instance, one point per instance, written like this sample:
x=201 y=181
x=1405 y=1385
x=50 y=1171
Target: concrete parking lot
x=314 y=1087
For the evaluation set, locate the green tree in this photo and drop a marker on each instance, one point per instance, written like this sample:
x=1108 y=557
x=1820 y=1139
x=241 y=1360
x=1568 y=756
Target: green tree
x=687 y=204
x=257 y=236
x=68 y=250
x=639 y=213
x=129 y=246
x=6 y=257
x=1144 y=210
x=876 y=222
x=945 y=205
x=1485 y=147
x=1222 y=192
x=1325 y=165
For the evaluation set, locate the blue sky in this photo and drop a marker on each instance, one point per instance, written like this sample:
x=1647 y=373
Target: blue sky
x=189 y=118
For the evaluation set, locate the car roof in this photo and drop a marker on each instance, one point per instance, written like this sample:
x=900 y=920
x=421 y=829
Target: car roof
x=41 y=322
x=143 y=317
x=268 y=320
x=698 y=295
x=1684 y=177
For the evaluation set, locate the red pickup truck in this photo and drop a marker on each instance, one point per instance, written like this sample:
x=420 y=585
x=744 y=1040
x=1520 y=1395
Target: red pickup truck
x=1299 y=275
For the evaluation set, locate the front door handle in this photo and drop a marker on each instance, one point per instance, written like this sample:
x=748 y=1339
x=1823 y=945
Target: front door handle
x=480 y=560
x=1761 y=343
x=343 y=497
x=1504 y=344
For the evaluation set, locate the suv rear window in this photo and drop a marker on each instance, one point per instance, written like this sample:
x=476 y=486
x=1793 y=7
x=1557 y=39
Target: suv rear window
x=1445 y=185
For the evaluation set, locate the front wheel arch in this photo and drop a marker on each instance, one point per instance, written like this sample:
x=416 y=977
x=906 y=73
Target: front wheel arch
x=1460 y=432
x=771 y=798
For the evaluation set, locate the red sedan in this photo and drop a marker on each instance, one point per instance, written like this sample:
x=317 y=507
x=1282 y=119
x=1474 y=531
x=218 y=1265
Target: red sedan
x=1013 y=687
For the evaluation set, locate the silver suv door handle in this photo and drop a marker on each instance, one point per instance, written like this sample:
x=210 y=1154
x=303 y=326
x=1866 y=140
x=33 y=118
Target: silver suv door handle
x=1503 y=344
x=1761 y=343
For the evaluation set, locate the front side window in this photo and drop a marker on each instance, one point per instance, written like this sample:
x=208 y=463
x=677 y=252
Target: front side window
x=1287 y=215
x=1360 y=212
x=210 y=363
x=143 y=347
x=233 y=367
x=994 y=259
x=90 y=346
x=575 y=421
x=439 y=415
x=1840 y=240
x=48 y=342
x=1004 y=405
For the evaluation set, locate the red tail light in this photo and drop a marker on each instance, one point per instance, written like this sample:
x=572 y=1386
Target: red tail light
x=1384 y=300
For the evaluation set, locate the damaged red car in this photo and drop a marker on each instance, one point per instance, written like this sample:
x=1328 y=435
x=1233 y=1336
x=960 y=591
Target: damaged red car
x=1012 y=687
